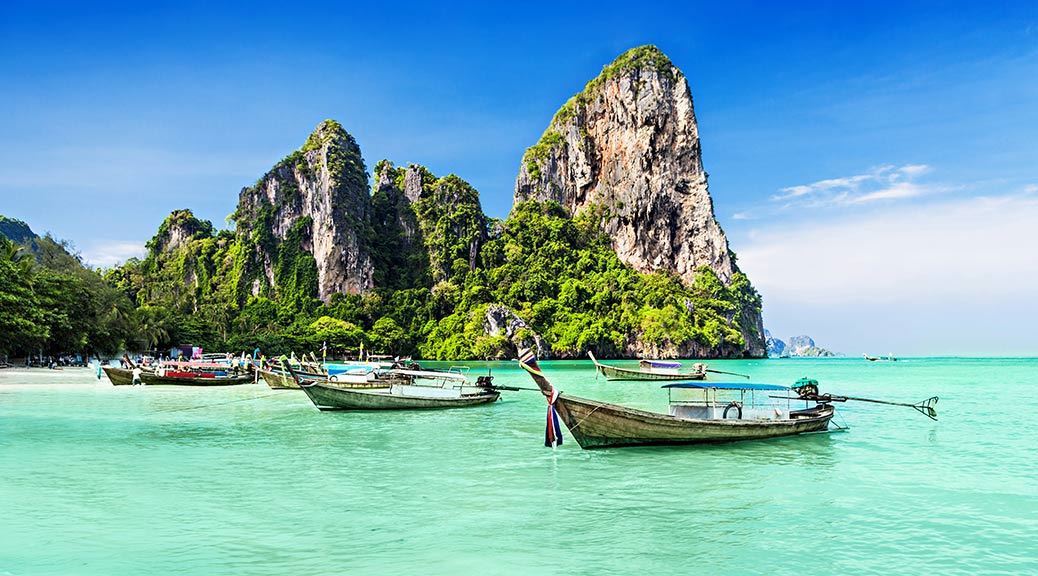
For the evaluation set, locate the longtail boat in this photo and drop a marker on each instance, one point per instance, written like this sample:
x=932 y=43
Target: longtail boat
x=118 y=376
x=887 y=358
x=703 y=420
x=649 y=370
x=700 y=420
x=193 y=378
x=447 y=390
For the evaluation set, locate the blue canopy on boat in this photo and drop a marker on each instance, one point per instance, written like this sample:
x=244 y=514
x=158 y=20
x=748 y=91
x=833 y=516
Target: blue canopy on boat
x=662 y=363
x=726 y=386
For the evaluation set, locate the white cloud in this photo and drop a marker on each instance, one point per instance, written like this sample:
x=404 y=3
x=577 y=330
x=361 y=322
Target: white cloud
x=885 y=182
x=979 y=247
x=742 y=216
x=956 y=277
x=110 y=253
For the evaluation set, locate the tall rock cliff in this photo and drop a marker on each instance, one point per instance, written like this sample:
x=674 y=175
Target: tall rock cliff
x=627 y=146
x=428 y=228
x=314 y=203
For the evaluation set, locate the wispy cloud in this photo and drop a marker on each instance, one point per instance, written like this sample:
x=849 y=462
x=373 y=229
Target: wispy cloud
x=110 y=253
x=887 y=182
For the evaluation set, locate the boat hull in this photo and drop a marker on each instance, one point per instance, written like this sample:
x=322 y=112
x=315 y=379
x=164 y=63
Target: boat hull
x=283 y=380
x=152 y=379
x=617 y=373
x=118 y=376
x=335 y=397
x=601 y=425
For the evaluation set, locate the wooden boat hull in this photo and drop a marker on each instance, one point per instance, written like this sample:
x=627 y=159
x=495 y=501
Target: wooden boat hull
x=153 y=379
x=277 y=380
x=339 y=397
x=617 y=373
x=596 y=424
x=118 y=376
x=282 y=380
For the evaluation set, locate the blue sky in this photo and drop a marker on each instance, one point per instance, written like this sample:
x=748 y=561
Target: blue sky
x=875 y=166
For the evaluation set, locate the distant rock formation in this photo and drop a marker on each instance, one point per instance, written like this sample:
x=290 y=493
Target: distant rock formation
x=797 y=347
x=627 y=146
x=776 y=347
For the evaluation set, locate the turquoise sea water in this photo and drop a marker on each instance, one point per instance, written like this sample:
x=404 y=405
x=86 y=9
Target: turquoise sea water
x=244 y=480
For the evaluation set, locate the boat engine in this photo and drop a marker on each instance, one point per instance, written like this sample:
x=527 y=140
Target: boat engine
x=486 y=381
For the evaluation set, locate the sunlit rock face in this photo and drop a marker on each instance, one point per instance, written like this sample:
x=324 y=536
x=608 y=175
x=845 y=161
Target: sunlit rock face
x=628 y=148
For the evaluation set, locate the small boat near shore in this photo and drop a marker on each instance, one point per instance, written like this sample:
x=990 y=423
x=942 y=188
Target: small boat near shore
x=426 y=390
x=174 y=373
x=656 y=370
x=716 y=413
x=649 y=370
x=118 y=376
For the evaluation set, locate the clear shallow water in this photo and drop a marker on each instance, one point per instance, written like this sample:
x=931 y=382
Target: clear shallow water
x=102 y=480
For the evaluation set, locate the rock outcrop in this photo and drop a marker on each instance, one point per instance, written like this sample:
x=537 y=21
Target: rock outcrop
x=16 y=231
x=177 y=230
x=439 y=218
x=628 y=148
x=797 y=347
x=503 y=321
x=776 y=348
x=316 y=202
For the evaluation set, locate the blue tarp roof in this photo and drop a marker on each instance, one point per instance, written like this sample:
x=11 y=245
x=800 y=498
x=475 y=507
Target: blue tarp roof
x=726 y=386
x=662 y=363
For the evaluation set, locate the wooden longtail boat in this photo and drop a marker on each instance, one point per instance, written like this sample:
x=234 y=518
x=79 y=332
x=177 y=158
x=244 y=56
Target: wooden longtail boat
x=887 y=358
x=124 y=377
x=118 y=376
x=453 y=392
x=649 y=370
x=188 y=379
x=278 y=378
x=597 y=424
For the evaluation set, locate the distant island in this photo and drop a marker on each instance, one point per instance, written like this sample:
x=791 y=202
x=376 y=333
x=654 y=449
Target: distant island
x=795 y=347
x=611 y=245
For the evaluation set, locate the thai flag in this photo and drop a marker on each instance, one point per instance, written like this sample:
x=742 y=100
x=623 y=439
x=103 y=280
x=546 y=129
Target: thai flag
x=552 y=431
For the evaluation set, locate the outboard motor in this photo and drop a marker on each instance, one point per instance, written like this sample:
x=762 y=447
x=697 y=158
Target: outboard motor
x=486 y=381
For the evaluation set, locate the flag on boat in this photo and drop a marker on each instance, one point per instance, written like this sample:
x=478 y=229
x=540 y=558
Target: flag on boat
x=552 y=431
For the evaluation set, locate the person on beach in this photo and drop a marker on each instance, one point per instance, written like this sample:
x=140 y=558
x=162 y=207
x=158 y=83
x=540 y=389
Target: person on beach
x=137 y=376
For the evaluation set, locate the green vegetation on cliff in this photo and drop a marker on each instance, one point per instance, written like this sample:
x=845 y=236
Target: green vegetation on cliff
x=440 y=267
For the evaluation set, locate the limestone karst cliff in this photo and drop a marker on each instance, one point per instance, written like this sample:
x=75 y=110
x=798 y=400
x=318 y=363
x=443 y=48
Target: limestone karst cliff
x=317 y=202
x=627 y=147
x=611 y=246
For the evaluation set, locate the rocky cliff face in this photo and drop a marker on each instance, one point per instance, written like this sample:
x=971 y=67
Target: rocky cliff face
x=177 y=230
x=428 y=223
x=628 y=147
x=314 y=202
